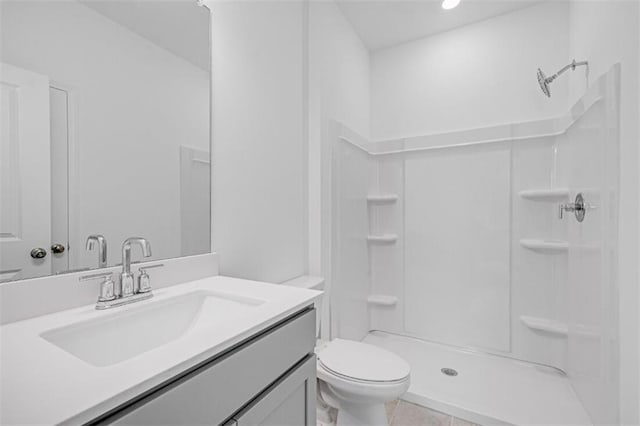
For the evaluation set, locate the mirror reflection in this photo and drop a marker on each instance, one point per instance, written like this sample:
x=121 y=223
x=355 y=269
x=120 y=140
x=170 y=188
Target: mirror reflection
x=104 y=132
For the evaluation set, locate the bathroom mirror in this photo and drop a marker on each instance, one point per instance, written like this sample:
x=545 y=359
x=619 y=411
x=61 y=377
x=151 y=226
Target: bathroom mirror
x=104 y=130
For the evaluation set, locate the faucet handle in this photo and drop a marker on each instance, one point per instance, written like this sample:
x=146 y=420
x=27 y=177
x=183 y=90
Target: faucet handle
x=107 y=287
x=145 y=267
x=144 y=282
x=95 y=276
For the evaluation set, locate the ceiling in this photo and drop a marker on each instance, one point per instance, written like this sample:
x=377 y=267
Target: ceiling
x=385 y=23
x=180 y=26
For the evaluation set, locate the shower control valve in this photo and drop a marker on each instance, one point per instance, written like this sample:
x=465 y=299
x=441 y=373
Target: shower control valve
x=578 y=207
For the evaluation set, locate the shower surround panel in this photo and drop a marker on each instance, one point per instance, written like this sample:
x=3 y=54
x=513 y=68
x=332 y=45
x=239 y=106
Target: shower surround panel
x=480 y=259
x=457 y=246
x=457 y=269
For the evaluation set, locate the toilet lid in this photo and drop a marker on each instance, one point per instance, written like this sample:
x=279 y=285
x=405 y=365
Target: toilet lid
x=364 y=362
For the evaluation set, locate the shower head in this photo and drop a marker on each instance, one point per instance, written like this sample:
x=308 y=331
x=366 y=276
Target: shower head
x=545 y=81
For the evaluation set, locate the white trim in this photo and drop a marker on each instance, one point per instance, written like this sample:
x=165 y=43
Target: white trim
x=508 y=133
x=73 y=172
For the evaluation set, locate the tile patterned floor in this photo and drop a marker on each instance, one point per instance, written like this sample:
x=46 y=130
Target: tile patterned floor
x=402 y=413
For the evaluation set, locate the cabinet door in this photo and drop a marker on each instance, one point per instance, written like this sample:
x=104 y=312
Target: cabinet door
x=291 y=401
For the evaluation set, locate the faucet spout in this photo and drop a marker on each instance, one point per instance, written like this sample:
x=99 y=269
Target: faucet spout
x=92 y=240
x=126 y=251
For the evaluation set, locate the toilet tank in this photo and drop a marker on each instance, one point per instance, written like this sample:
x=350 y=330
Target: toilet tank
x=313 y=283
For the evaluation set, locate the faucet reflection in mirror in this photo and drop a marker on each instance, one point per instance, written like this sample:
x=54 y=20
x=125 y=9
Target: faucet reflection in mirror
x=57 y=152
x=102 y=248
x=126 y=290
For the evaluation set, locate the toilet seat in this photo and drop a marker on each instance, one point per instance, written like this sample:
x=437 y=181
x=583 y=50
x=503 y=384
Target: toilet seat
x=358 y=362
x=361 y=391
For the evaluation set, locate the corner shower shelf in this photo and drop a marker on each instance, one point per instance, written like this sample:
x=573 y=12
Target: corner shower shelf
x=550 y=195
x=382 y=199
x=382 y=300
x=382 y=239
x=545 y=246
x=547 y=325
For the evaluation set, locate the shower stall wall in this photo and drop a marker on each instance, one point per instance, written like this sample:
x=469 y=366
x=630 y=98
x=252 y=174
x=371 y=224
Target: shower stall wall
x=455 y=240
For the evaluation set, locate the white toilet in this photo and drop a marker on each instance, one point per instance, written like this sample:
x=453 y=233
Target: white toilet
x=353 y=377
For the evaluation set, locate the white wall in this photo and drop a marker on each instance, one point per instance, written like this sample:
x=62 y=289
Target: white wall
x=607 y=32
x=282 y=72
x=474 y=76
x=259 y=150
x=339 y=89
x=135 y=104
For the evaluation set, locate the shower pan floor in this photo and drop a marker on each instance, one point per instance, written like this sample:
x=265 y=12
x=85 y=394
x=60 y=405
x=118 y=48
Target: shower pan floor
x=488 y=390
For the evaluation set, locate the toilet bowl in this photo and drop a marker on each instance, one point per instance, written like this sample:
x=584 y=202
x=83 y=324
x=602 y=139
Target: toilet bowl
x=354 y=378
x=357 y=379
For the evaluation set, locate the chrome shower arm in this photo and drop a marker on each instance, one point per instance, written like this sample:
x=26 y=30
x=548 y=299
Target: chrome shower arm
x=545 y=81
x=572 y=65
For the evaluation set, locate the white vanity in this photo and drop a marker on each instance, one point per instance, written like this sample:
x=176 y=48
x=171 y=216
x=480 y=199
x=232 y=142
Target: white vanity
x=215 y=350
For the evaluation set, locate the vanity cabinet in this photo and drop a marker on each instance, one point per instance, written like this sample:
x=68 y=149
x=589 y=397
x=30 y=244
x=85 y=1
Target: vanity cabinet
x=268 y=379
x=289 y=402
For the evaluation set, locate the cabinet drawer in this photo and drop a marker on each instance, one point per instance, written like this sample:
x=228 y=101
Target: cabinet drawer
x=291 y=401
x=210 y=394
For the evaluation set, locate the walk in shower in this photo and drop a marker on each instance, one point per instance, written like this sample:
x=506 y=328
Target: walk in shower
x=450 y=250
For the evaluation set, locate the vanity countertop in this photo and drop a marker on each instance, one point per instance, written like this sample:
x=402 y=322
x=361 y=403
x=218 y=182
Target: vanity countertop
x=44 y=384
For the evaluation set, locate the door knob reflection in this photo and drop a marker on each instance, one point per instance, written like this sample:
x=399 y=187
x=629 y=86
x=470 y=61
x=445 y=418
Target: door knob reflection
x=38 y=253
x=57 y=248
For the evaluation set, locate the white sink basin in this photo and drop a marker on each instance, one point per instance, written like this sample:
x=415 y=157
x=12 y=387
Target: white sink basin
x=127 y=333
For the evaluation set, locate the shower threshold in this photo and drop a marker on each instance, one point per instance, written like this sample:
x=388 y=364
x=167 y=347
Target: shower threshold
x=487 y=389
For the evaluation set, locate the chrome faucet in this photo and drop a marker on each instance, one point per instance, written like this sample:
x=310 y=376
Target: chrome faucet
x=127 y=283
x=102 y=248
x=125 y=291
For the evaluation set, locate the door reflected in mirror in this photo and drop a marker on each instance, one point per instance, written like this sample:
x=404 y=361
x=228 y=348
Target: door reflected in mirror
x=104 y=131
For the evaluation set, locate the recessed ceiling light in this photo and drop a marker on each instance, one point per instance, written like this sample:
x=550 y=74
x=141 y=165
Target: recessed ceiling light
x=450 y=4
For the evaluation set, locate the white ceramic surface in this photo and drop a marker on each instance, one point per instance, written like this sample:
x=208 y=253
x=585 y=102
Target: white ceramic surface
x=489 y=389
x=128 y=333
x=348 y=388
x=361 y=362
x=215 y=312
x=359 y=403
